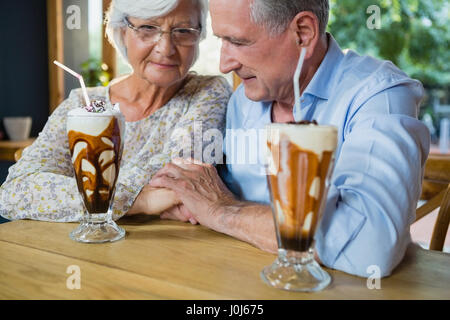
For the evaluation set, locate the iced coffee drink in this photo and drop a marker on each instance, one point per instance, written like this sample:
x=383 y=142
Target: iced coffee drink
x=95 y=135
x=300 y=163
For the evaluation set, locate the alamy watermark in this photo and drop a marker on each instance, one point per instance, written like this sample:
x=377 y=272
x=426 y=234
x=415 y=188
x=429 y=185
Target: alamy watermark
x=73 y=21
x=73 y=282
x=374 y=280
x=374 y=20
x=241 y=146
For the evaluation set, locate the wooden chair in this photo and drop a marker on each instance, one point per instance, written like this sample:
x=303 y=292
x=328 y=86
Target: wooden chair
x=18 y=154
x=436 y=189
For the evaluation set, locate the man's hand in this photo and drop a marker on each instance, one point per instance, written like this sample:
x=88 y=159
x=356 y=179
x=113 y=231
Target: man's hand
x=198 y=187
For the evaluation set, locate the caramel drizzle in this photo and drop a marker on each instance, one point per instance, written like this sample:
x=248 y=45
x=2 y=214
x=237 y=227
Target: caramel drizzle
x=99 y=201
x=297 y=169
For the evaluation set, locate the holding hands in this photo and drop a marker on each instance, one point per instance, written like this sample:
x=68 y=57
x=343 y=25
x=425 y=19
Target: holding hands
x=187 y=190
x=199 y=189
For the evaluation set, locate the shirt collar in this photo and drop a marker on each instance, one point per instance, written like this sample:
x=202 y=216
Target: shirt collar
x=320 y=85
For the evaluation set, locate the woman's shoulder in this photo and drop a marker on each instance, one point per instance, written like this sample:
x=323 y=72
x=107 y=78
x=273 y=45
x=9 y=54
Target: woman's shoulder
x=206 y=84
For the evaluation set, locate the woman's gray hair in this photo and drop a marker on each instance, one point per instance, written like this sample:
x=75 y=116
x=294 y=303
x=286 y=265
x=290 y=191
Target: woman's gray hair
x=275 y=15
x=143 y=9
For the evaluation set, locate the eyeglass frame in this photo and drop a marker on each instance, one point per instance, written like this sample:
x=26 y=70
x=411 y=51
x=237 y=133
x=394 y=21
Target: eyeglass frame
x=161 y=32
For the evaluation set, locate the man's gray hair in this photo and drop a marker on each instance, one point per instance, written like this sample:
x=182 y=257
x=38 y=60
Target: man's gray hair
x=143 y=9
x=275 y=15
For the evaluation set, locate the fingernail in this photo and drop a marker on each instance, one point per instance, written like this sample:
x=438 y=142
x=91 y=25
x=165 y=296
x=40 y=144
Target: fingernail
x=193 y=221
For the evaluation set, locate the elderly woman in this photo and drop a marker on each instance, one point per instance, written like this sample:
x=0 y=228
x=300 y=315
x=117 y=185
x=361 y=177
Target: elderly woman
x=160 y=100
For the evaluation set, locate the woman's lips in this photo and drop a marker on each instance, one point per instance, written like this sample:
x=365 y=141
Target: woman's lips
x=163 y=65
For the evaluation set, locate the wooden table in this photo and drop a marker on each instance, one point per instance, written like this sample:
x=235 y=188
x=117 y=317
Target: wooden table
x=8 y=148
x=172 y=260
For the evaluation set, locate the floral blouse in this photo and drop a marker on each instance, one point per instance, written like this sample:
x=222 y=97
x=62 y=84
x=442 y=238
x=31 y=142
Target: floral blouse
x=42 y=186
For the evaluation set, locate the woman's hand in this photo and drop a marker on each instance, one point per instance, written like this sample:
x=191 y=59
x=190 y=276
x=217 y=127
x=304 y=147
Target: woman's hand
x=178 y=213
x=153 y=201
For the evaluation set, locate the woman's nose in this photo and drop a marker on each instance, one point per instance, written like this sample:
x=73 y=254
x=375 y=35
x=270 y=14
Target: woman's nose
x=164 y=45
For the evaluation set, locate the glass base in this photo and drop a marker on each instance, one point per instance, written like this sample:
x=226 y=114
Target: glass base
x=296 y=271
x=97 y=229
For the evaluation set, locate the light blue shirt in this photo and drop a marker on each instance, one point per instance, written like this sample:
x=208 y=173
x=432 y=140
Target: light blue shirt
x=382 y=149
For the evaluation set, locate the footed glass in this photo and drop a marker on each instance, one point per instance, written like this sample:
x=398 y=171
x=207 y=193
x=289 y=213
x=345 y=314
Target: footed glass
x=96 y=145
x=301 y=158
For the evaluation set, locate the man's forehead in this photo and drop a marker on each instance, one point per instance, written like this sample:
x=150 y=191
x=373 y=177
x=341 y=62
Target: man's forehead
x=231 y=18
x=231 y=3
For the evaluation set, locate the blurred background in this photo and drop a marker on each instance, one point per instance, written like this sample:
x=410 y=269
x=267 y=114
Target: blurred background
x=415 y=36
x=412 y=34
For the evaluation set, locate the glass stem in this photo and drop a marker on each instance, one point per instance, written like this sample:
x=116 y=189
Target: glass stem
x=295 y=257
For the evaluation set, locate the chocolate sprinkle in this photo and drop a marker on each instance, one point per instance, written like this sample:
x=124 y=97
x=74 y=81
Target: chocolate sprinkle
x=97 y=106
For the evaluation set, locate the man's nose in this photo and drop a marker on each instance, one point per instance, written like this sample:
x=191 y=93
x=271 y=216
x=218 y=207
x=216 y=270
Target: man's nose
x=228 y=62
x=164 y=45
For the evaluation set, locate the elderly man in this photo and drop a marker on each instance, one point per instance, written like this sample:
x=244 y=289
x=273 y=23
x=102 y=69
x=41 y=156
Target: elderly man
x=382 y=147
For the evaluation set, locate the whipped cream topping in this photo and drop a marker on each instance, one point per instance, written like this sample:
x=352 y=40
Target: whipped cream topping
x=94 y=122
x=97 y=107
x=307 y=136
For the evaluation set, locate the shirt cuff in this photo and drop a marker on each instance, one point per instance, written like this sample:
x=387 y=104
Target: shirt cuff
x=339 y=226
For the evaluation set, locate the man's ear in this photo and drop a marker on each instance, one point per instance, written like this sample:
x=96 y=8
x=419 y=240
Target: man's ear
x=305 y=28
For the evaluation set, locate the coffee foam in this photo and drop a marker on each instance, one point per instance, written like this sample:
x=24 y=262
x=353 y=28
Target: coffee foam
x=308 y=137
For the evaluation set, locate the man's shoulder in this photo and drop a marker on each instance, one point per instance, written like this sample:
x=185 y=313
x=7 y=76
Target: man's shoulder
x=361 y=78
x=366 y=73
x=216 y=85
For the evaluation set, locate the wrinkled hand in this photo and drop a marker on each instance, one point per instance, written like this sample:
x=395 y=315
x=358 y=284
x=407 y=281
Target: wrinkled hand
x=198 y=186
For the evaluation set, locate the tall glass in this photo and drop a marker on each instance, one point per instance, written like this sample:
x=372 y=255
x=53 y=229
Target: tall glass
x=96 y=145
x=301 y=160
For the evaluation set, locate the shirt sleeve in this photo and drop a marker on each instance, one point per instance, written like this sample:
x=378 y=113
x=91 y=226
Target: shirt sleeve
x=376 y=184
x=197 y=133
x=40 y=186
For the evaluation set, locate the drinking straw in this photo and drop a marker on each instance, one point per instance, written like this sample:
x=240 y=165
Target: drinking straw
x=297 y=79
x=80 y=78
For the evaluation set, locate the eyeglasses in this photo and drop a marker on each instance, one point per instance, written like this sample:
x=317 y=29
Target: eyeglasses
x=152 y=34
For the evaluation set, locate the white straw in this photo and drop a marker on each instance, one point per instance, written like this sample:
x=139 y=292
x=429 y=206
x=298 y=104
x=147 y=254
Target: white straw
x=80 y=78
x=83 y=87
x=297 y=79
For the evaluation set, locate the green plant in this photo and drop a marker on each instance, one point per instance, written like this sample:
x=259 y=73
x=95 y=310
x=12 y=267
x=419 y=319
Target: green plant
x=414 y=34
x=95 y=73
